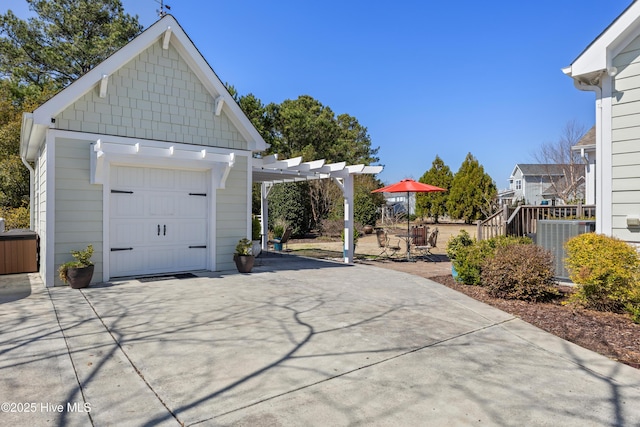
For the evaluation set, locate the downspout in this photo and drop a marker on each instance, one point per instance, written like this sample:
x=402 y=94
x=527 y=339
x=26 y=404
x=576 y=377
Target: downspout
x=32 y=173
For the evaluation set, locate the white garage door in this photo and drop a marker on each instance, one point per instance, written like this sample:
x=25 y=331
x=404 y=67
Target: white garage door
x=158 y=221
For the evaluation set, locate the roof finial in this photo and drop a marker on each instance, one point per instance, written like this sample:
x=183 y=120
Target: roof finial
x=162 y=12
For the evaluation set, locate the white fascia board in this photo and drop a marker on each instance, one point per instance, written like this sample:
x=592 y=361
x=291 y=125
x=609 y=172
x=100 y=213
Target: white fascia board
x=599 y=54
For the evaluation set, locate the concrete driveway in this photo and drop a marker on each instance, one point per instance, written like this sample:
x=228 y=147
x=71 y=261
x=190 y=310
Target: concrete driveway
x=297 y=342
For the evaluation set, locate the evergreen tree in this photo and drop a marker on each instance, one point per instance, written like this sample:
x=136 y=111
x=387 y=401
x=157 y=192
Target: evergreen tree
x=66 y=39
x=435 y=204
x=470 y=190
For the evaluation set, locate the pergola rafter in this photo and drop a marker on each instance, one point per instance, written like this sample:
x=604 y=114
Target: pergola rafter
x=270 y=170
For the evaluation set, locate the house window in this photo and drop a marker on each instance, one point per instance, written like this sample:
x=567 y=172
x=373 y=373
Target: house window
x=518 y=184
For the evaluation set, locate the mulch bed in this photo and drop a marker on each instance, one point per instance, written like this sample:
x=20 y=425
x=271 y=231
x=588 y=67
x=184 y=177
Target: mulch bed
x=610 y=334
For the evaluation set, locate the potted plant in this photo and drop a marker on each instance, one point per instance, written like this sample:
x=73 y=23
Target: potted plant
x=78 y=273
x=243 y=256
x=278 y=232
x=456 y=244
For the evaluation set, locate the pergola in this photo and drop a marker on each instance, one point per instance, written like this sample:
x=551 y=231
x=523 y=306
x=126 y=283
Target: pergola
x=270 y=171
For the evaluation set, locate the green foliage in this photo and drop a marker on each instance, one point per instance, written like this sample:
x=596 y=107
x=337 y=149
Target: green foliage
x=14 y=182
x=469 y=259
x=472 y=192
x=82 y=259
x=288 y=202
x=366 y=204
x=520 y=271
x=606 y=271
x=256 y=228
x=458 y=241
x=243 y=247
x=434 y=204
x=15 y=217
x=66 y=40
x=305 y=127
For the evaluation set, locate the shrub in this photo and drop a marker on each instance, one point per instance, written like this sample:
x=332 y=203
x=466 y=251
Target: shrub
x=468 y=259
x=456 y=242
x=15 y=217
x=520 y=271
x=256 y=228
x=606 y=271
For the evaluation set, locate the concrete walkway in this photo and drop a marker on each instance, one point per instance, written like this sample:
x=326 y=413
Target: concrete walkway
x=297 y=342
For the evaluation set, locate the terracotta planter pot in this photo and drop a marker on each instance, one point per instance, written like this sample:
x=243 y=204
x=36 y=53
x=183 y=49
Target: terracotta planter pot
x=80 y=277
x=244 y=263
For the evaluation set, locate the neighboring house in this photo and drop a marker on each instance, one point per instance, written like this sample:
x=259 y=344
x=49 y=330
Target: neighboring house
x=610 y=67
x=147 y=157
x=587 y=149
x=536 y=184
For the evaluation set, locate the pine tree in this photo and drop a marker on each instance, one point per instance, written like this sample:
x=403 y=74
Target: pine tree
x=471 y=190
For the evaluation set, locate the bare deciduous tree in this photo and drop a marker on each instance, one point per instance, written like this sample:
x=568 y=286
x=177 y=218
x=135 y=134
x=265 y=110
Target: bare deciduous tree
x=564 y=167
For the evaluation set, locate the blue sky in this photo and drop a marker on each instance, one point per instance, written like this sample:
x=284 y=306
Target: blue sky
x=426 y=78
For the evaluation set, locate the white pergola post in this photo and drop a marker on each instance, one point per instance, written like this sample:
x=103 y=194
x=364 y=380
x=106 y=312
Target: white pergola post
x=346 y=185
x=264 y=213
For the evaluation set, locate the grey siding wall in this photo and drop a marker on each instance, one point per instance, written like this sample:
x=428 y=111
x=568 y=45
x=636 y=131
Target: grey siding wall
x=154 y=96
x=78 y=205
x=625 y=125
x=232 y=213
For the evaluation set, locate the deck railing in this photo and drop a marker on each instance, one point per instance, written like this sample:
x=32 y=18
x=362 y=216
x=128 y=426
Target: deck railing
x=523 y=220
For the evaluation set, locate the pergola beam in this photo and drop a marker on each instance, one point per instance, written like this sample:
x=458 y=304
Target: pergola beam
x=269 y=171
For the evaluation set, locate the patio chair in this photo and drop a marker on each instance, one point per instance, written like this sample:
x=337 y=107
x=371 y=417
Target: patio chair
x=282 y=240
x=419 y=235
x=432 y=241
x=385 y=244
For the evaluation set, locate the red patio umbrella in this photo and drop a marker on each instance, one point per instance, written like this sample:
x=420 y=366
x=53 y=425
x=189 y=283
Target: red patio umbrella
x=408 y=186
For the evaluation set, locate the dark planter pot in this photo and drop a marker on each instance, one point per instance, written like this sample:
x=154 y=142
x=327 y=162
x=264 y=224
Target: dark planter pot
x=80 y=277
x=277 y=246
x=244 y=263
x=367 y=229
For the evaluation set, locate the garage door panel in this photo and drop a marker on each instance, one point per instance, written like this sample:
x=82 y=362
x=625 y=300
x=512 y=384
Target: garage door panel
x=127 y=205
x=128 y=233
x=159 y=220
x=160 y=179
x=189 y=232
x=128 y=262
x=191 y=181
x=161 y=205
x=192 y=207
x=124 y=176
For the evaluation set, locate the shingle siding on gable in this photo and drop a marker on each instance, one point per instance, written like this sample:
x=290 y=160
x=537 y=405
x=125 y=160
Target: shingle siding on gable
x=155 y=96
x=625 y=139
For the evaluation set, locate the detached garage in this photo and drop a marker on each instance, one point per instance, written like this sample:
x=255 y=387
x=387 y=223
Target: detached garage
x=147 y=157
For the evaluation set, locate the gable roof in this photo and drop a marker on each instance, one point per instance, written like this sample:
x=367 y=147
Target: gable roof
x=165 y=31
x=533 y=169
x=598 y=56
x=588 y=140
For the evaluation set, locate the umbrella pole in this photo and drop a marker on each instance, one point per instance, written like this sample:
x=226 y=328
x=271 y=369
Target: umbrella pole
x=408 y=235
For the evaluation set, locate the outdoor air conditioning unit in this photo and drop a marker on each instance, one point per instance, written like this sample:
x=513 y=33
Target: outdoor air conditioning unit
x=553 y=234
